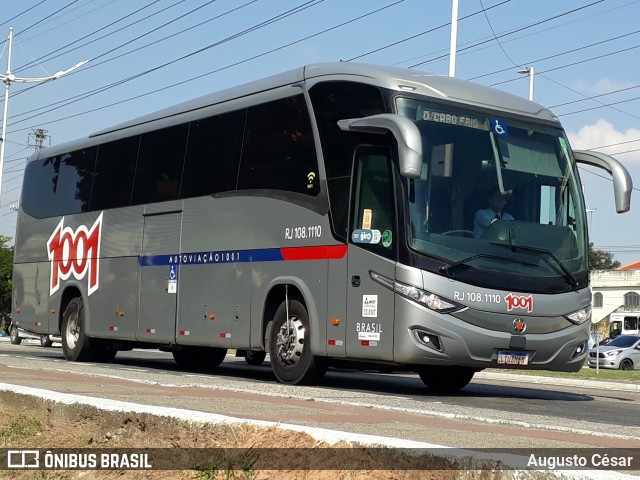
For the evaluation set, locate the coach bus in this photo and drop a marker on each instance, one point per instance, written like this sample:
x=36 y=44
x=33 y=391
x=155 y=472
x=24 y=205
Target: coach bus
x=323 y=216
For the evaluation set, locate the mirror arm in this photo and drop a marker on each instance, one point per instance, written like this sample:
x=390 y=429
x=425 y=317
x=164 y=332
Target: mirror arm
x=405 y=132
x=622 y=183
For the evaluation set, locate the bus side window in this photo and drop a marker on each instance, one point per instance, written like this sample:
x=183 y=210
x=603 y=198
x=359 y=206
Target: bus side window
x=213 y=155
x=38 y=194
x=159 y=165
x=333 y=101
x=278 y=151
x=73 y=189
x=373 y=210
x=113 y=178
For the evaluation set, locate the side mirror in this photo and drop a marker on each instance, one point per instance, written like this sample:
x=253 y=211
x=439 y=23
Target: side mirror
x=405 y=132
x=622 y=183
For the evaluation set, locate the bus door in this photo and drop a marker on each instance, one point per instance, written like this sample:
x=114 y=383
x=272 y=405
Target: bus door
x=159 y=274
x=370 y=305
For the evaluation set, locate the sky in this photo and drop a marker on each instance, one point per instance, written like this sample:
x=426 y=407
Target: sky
x=150 y=54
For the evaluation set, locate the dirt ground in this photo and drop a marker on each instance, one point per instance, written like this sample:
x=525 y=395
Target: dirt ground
x=31 y=423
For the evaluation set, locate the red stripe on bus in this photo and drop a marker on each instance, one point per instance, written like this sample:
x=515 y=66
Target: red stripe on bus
x=325 y=252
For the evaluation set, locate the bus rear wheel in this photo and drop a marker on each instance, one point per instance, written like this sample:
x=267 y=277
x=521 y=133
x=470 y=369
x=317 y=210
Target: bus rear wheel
x=75 y=344
x=199 y=358
x=446 y=379
x=290 y=349
x=14 y=336
x=254 y=357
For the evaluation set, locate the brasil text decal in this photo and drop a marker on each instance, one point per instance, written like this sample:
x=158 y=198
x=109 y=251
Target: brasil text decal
x=75 y=252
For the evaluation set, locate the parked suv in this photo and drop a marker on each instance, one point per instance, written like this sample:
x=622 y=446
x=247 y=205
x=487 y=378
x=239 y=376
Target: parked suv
x=621 y=353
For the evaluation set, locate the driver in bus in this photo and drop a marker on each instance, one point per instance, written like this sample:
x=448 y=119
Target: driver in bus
x=494 y=212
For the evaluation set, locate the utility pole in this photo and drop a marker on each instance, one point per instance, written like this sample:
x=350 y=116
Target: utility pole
x=454 y=38
x=9 y=78
x=531 y=72
x=37 y=138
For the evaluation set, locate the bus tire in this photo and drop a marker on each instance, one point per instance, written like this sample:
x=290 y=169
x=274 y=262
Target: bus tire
x=199 y=358
x=446 y=379
x=75 y=343
x=45 y=341
x=102 y=351
x=254 y=357
x=14 y=336
x=289 y=348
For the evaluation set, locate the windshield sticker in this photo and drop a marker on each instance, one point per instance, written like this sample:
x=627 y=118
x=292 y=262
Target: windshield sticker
x=366 y=236
x=386 y=238
x=452 y=119
x=367 y=215
x=499 y=127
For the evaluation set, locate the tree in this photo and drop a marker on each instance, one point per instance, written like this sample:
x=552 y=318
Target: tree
x=601 y=260
x=6 y=275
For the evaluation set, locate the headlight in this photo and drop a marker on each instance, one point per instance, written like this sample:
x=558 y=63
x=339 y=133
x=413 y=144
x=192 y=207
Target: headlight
x=580 y=316
x=427 y=299
x=613 y=353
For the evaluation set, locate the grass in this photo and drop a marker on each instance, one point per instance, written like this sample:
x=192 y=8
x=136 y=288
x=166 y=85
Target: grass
x=21 y=427
x=585 y=373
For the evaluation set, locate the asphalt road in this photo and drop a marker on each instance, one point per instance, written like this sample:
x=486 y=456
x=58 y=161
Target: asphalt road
x=493 y=411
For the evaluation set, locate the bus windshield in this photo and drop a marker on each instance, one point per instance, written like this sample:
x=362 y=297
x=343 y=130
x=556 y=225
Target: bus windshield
x=496 y=194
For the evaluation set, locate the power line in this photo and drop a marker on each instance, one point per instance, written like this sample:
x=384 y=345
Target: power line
x=255 y=27
x=20 y=14
x=74 y=20
x=293 y=11
x=50 y=56
x=484 y=10
x=421 y=33
x=511 y=32
x=573 y=50
x=93 y=64
x=46 y=18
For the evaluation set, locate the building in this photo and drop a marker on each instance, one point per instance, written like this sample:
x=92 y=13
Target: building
x=615 y=290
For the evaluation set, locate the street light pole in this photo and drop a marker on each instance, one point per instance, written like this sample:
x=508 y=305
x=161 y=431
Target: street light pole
x=7 y=83
x=529 y=71
x=7 y=79
x=454 y=38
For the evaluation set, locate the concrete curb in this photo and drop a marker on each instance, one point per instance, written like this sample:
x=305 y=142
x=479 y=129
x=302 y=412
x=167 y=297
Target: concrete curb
x=562 y=381
x=320 y=434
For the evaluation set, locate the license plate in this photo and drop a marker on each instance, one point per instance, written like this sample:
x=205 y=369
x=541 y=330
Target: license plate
x=513 y=358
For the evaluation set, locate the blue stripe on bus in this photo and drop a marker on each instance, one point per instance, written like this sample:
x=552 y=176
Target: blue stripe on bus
x=322 y=252
x=203 y=258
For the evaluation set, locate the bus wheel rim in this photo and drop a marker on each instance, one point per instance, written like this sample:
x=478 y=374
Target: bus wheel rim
x=72 y=331
x=290 y=341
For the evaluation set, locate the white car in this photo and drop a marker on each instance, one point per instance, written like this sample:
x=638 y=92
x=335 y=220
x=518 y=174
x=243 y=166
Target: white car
x=621 y=353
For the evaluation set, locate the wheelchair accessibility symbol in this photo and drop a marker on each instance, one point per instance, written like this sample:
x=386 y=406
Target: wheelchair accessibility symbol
x=500 y=127
x=172 y=281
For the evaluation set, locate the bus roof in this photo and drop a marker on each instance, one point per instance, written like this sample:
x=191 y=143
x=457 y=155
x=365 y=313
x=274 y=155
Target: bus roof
x=432 y=85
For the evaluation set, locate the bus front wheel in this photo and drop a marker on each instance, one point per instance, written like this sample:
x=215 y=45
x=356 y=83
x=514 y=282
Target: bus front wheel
x=289 y=346
x=446 y=379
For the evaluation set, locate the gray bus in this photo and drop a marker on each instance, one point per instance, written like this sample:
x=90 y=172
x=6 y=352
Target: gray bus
x=327 y=216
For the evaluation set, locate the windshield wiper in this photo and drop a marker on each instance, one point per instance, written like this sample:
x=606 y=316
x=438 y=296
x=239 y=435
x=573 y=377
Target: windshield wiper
x=446 y=268
x=513 y=246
